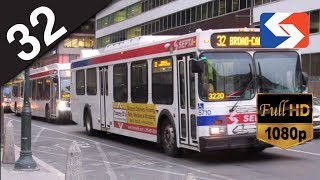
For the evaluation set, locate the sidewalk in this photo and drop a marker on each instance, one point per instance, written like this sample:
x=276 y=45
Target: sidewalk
x=44 y=172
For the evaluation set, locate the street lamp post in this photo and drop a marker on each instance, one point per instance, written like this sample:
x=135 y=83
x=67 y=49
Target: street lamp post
x=25 y=161
x=2 y=117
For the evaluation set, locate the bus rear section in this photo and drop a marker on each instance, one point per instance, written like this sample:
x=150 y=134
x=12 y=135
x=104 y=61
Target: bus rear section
x=184 y=92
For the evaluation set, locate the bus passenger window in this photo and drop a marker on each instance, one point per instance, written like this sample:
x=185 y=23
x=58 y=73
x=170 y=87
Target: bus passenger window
x=92 y=81
x=162 y=81
x=80 y=82
x=120 y=83
x=139 y=82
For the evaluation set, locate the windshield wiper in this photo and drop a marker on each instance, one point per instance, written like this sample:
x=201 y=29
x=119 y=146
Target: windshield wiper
x=235 y=105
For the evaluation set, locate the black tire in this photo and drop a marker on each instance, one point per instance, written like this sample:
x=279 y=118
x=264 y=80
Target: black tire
x=256 y=149
x=168 y=139
x=88 y=123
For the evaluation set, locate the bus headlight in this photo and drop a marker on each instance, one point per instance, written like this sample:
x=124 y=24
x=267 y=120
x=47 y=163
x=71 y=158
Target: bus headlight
x=218 y=130
x=62 y=105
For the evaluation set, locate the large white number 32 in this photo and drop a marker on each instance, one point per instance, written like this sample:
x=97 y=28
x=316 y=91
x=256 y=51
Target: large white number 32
x=48 y=37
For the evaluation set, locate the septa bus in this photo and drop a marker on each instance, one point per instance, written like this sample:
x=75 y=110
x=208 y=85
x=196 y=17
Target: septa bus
x=49 y=92
x=195 y=91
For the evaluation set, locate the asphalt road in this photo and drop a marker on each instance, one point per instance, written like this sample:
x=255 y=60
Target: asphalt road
x=115 y=157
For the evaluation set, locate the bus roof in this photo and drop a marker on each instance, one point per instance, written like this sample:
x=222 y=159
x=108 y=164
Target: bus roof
x=49 y=69
x=152 y=45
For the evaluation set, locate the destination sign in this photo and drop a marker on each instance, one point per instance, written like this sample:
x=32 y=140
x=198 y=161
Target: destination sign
x=236 y=40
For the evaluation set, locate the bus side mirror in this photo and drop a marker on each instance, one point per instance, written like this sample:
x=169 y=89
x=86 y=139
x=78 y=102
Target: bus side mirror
x=197 y=66
x=55 y=79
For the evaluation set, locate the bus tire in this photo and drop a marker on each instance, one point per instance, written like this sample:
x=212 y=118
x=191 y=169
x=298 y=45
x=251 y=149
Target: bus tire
x=88 y=123
x=168 y=139
x=256 y=149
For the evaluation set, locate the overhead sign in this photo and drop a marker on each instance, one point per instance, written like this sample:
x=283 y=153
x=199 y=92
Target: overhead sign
x=284 y=30
x=284 y=120
x=236 y=40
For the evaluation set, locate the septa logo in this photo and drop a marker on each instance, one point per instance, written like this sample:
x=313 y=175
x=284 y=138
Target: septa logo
x=284 y=30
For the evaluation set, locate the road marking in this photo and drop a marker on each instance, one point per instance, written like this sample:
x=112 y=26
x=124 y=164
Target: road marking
x=129 y=166
x=139 y=154
x=106 y=163
x=57 y=145
x=37 y=136
x=45 y=165
x=298 y=151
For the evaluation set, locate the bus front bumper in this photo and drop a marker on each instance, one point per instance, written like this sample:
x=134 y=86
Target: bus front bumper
x=231 y=142
x=316 y=132
x=64 y=115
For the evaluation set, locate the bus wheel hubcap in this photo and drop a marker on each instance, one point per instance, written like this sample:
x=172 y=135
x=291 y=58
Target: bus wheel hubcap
x=168 y=137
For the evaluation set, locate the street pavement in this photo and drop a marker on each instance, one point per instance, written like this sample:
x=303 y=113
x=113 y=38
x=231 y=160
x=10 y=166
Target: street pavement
x=115 y=157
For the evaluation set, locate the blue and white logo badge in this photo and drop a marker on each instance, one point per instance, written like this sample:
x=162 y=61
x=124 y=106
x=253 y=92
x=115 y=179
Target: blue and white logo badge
x=284 y=30
x=200 y=106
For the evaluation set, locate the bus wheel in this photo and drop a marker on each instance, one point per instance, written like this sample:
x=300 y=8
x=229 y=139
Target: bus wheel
x=168 y=140
x=88 y=122
x=256 y=149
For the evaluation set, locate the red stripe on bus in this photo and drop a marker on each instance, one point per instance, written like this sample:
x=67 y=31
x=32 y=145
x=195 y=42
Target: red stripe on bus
x=40 y=74
x=189 y=42
x=136 y=128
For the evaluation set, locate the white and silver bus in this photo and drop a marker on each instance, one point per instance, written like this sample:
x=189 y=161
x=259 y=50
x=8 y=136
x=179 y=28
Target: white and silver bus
x=195 y=91
x=49 y=92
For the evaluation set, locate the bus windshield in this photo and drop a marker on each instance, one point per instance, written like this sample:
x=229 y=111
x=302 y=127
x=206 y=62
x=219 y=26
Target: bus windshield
x=226 y=76
x=279 y=72
x=7 y=92
x=65 y=81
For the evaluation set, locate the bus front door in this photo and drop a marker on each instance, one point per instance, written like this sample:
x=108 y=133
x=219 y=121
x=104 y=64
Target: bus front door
x=105 y=102
x=54 y=95
x=187 y=103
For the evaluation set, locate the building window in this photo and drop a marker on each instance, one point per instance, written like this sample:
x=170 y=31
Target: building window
x=79 y=42
x=120 y=15
x=139 y=82
x=315 y=61
x=314 y=21
x=92 y=81
x=80 y=82
x=72 y=57
x=243 y=4
x=162 y=81
x=229 y=6
x=199 y=13
x=120 y=83
x=193 y=14
x=188 y=16
x=235 y=5
x=249 y=3
x=222 y=7
x=216 y=8
x=204 y=10
x=134 y=10
x=133 y=32
x=258 y=2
